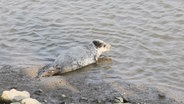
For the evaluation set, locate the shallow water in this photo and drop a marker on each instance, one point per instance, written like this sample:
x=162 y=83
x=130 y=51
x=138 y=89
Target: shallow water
x=147 y=36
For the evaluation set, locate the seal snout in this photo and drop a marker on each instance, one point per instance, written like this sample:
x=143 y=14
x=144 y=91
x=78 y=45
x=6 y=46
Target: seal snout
x=109 y=47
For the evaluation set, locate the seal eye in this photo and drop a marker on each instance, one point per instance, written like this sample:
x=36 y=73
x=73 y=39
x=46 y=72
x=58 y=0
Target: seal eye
x=97 y=44
x=104 y=46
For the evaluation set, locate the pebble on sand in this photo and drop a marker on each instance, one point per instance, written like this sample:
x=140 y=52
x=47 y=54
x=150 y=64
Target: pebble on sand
x=30 y=101
x=18 y=97
x=13 y=94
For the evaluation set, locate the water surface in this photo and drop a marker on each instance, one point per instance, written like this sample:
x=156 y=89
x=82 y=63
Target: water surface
x=147 y=36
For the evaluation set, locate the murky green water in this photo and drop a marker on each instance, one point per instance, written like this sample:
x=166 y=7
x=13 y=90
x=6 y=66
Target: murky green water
x=147 y=35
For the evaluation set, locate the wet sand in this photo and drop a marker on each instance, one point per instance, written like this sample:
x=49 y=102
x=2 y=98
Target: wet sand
x=78 y=88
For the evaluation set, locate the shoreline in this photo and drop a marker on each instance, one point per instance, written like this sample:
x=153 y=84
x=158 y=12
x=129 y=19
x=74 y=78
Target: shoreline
x=78 y=88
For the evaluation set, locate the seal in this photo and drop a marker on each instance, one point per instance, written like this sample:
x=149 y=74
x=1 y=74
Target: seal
x=75 y=58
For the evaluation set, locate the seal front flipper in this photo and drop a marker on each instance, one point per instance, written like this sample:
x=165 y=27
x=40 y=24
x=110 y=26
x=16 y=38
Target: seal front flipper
x=103 y=59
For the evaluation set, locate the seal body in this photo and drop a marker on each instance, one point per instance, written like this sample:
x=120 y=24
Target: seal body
x=75 y=58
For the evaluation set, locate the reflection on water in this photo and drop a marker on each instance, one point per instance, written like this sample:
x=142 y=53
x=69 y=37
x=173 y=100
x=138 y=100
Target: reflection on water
x=147 y=36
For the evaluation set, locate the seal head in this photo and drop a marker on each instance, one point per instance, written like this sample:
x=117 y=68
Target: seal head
x=101 y=47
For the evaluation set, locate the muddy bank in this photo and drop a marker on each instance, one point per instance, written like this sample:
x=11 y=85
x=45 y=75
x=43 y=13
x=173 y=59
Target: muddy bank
x=80 y=87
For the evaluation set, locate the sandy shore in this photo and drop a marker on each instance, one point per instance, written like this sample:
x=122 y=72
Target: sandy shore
x=79 y=87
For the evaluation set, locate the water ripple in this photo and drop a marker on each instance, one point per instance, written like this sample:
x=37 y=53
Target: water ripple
x=147 y=36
